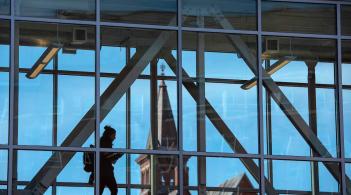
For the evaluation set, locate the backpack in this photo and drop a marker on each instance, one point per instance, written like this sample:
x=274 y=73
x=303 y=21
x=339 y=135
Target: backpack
x=89 y=160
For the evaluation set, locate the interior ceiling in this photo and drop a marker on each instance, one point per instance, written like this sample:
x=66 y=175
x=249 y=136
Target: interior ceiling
x=37 y=34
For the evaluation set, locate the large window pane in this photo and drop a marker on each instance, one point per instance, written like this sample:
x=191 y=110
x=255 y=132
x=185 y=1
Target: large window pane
x=4 y=7
x=56 y=85
x=346 y=20
x=218 y=113
x=63 y=9
x=3 y=171
x=230 y=176
x=298 y=17
x=295 y=177
x=160 y=12
x=66 y=168
x=346 y=86
x=299 y=98
x=223 y=14
x=237 y=169
x=155 y=173
x=134 y=85
x=4 y=79
x=4 y=43
x=348 y=169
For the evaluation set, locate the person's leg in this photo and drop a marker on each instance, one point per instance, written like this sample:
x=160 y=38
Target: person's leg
x=102 y=185
x=112 y=184
x=91 y=178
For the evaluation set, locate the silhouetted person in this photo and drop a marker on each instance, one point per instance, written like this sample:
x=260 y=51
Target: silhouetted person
x=107 y=177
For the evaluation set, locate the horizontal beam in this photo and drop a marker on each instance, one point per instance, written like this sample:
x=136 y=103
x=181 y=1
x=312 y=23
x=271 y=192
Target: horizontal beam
x=174 y=78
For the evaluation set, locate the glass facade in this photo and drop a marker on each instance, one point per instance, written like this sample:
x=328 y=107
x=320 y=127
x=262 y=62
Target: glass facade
x=5 y=7
x=157 y=12
x=79 y=10
x=287 y=17
x=175 y=97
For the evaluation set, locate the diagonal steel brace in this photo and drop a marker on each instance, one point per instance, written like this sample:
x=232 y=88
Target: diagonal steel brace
x=220 y=125
x=47 y=174
x=282 y=101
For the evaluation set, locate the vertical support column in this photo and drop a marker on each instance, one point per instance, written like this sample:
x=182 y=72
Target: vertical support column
x=259 y=75
x=54 y=111
x=128 y=127
x=179 y=76
x=312 y=110
x=200 y=108
x=15 y=109
x=11 y=100
x=339 y=103
x=97 y=97
x=269 y=129
x=153 y=123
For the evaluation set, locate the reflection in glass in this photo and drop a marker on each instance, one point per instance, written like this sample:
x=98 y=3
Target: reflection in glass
x=236 y=168
x=63 y=9
x=346 y=20
x=156 y=173
x=346 y=61
x=157 y=12
x=298 y=17
x=299 y=90
x=346 y=85
x=4 y=79
x=291 y=177
x=54 y=90
x=53 y=103
x=74 y=190
x=223 y=14
x=134 y=86
x=75 y=99
x=231 y=191
x=348 y=169
x=49 y=166
x=138 y=191
x=140 y=115
x=213 y=72
x=4 y=43
x=230 y=176
x=3 y=171
x=4 y=7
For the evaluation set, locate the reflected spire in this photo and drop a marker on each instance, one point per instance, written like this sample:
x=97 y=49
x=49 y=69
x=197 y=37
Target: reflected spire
x=166 y=128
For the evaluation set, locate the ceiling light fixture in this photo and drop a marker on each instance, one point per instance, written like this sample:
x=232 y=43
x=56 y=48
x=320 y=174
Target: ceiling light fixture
x=43 y=61
x=270 y=70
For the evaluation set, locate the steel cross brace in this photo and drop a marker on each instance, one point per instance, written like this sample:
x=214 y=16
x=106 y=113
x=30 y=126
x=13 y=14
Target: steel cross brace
x=218 y=122
x=50 y=170
x=283 y=102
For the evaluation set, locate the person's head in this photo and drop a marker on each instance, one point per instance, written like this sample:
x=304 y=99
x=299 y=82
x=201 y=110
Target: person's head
x=109 y=133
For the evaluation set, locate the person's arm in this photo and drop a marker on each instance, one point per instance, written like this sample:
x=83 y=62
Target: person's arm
x=115 y=156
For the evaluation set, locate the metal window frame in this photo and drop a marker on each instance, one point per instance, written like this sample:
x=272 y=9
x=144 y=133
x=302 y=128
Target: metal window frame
x=259 y=89
x=11 y=147
x=97 y=97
